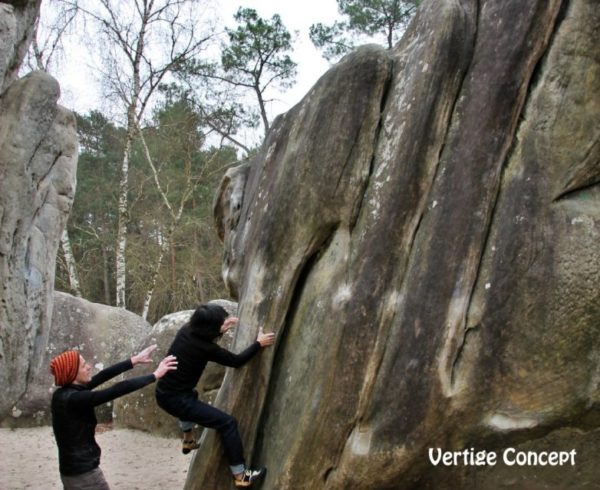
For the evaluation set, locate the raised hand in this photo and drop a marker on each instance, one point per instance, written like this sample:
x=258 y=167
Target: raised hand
x=145 y=356
x=229 y=323
x=169 y=363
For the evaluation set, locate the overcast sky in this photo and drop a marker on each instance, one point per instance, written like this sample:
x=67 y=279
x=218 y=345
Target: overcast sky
x=80 y=93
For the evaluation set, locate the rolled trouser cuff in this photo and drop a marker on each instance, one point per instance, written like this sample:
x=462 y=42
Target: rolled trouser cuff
x=186 y=425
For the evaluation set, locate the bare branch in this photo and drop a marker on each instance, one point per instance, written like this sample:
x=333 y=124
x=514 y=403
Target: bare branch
x=154 y=172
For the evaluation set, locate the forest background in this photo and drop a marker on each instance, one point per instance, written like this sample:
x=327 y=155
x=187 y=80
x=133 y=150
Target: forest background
x=182 y=94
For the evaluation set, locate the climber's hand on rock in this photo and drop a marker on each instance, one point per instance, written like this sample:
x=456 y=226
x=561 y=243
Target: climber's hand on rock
x=265 y=339
x=229 y=323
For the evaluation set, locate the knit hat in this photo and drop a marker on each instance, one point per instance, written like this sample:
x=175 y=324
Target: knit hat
x=64 y=367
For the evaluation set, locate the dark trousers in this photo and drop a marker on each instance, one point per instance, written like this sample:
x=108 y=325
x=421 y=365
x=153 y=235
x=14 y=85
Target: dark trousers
x=186 y=406
x=91 y=480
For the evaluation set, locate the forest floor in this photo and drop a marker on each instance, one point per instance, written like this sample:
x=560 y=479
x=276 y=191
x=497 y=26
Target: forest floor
x=131 y=460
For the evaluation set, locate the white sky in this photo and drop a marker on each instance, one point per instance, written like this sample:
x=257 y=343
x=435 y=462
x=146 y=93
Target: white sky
x=81 y=93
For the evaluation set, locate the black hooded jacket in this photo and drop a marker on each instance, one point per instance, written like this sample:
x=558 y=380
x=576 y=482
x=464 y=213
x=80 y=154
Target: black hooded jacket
x=74 y=420
x=193 y=351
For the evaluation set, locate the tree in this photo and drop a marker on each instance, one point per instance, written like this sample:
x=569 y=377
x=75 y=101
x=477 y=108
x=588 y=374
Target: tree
x=256 y=56
x=144 y=41
x=222 y=114
x=387 y=18
x=55 y=20
x=178 y=168
x=173 y=252
x=92 y=223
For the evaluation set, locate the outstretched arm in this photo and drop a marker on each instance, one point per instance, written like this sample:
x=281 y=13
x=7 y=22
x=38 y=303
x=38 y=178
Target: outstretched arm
x=109 y=373
x=227 y=358
x=143 y=357
x=88 y=398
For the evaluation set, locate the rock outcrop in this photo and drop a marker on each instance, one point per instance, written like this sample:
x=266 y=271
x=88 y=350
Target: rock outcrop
x=139 y=410
x=103 y=334
x=17 y=21
x=38 y=159
x=422 y=232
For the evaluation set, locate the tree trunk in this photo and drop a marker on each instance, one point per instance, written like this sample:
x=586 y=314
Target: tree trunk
x=173 y=263
x=163 y=250
x=263 y=111
x=71 y=265
x=105 y=276
x=121 y=263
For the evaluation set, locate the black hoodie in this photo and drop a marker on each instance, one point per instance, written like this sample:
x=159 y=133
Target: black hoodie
x=193 y=350
x=74 y=421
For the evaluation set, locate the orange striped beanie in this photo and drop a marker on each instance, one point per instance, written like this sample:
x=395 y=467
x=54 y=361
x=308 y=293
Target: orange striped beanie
x=64 y=367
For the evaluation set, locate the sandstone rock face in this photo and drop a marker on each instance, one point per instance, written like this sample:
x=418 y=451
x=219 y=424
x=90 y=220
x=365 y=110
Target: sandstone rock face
x=139 y=410
x=16 y=27
x=38 y=159
x=422 y=232
x=103 y=334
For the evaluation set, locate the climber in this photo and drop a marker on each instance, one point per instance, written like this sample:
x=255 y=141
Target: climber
x=175 y=393
x=73 y=417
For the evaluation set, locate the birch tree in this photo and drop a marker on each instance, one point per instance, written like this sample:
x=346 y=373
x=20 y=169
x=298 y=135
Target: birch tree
x=174 y=254
x=92 y=223
x=143 y=42
x=65 y=244
x=176 y=170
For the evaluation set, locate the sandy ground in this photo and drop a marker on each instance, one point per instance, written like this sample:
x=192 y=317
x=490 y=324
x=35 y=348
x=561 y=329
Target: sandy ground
x=131 y=460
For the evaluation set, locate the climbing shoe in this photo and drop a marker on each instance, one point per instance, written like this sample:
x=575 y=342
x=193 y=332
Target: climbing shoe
x=249 y=477
x=188 y=446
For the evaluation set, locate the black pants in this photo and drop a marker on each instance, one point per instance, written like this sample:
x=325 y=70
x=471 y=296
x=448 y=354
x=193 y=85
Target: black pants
x=186 y=406
x=90 y=480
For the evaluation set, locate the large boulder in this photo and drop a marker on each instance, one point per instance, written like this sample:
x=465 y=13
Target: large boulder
x=103 y=334
x=139 y=410
x=38 y=160
x=422 y=231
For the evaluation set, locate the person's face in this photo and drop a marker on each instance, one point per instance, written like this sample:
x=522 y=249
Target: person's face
x=84 y=374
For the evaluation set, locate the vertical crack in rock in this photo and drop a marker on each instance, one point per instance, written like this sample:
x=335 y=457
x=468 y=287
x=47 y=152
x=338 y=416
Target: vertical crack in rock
x=470 y=275
x=468 y=331
x=43 y=178
x=528 y=89
x=271 y=407
x=452 y=111
x=476 y=33
x=357 y=208
x=41 y=141
x=304 y=271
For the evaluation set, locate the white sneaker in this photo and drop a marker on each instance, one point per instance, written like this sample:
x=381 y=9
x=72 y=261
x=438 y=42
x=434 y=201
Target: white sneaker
x=249 y=477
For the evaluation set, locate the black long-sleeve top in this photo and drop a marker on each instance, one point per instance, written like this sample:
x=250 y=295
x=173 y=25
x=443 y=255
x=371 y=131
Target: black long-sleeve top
x=74 y=420
x=193 y=353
